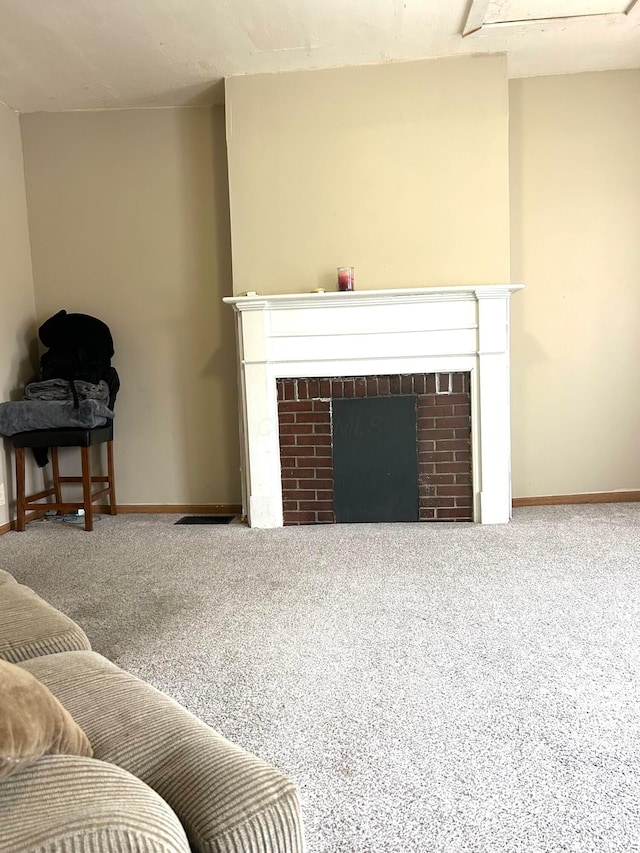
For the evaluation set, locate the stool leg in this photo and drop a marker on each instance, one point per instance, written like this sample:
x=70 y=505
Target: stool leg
x=55 y=467
x=20 y=490
x=113 y=506
x=86 y=488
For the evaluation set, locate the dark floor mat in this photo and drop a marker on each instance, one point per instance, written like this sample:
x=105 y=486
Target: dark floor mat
x=206 y=519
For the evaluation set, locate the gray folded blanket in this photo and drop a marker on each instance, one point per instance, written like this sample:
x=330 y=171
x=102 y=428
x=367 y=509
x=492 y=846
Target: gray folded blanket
x=60 y=389
x=26 y=415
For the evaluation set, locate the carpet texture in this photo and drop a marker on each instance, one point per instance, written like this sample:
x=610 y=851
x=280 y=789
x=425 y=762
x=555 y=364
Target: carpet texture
x=430 y=687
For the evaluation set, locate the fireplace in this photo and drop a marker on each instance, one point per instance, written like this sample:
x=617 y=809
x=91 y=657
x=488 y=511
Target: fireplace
x=334 y=459
x=288 y=342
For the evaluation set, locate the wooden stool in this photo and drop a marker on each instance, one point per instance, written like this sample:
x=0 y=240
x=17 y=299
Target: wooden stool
x=53 y=439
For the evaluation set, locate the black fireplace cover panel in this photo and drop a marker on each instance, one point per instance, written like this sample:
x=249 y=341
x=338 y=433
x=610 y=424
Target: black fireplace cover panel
x=375 y=459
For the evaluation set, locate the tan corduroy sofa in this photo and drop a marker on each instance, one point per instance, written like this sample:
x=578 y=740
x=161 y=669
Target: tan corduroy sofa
x=160 y=781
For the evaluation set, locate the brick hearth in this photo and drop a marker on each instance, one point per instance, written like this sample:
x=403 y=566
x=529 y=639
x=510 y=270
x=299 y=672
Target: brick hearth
x=443 y=442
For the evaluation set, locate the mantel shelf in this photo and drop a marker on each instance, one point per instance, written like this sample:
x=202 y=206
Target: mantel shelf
x=360 y=298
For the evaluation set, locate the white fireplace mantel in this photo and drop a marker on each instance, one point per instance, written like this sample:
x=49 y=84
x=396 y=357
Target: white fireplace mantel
x=375 y=332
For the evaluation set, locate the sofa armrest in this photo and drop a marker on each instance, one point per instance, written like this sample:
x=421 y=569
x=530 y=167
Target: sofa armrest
x=80 y=805
x=228 y=800
x=30 y=627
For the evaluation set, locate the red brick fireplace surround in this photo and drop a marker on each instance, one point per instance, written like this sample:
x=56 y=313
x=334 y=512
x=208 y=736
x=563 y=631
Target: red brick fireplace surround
x=443 y=442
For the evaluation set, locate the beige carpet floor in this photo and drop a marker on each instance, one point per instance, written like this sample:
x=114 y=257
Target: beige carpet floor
x=430 y=687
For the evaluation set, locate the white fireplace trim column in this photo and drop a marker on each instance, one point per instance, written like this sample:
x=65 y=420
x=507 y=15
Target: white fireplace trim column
x=376 y=332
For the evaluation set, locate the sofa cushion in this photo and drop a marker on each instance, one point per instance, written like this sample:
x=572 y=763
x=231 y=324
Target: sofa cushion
x=228 y=800
x=30 y=627
x=33 y=722
x=65 y=804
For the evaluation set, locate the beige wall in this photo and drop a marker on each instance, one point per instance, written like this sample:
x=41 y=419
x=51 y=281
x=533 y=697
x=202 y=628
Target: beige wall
x=129 y=221
x=18 y=358
x=575 y=201
x=399 y=169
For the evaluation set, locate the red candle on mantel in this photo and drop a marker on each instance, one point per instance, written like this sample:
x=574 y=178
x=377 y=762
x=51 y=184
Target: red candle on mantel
x=345 y=278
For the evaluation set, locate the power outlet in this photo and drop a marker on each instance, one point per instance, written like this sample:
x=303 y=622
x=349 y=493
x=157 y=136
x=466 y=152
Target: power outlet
x=3 y=500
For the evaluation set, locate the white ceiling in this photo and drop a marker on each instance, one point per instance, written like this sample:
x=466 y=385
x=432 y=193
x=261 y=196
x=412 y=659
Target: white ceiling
x=98 y=54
